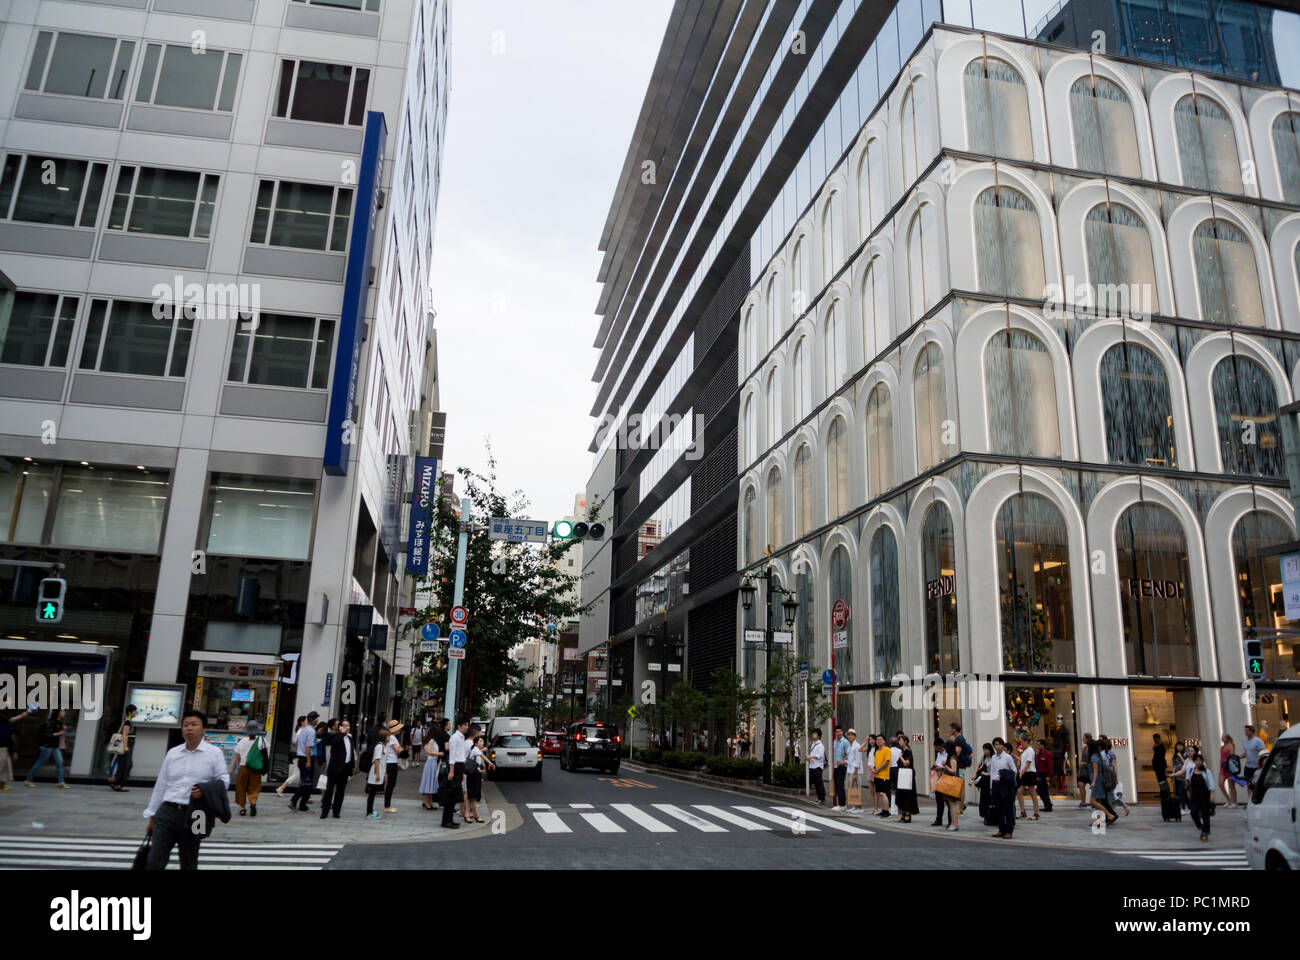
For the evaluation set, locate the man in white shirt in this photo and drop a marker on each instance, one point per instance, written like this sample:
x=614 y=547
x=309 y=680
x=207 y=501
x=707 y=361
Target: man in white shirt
x=816 y=763
x=457 y=748
x=1028 y=778
x=1002 y=784
x=305 y=750
x=183 y=768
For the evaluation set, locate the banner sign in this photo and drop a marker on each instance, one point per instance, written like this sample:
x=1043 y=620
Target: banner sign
x=423 y=494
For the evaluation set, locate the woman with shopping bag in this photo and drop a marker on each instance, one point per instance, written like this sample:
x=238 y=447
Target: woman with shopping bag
x=946 y=784
x=906 y=793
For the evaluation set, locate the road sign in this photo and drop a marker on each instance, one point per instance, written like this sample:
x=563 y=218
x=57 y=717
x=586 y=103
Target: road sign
x=753 y=636
x=782 y=636
x=828 y=677
x=456 y=653
x=457 y=638
x=841 y=639
x=429 y=631
x=803 y=671
x=459 y=616
x=428 y=646
x=517 y=531
x=839 y=614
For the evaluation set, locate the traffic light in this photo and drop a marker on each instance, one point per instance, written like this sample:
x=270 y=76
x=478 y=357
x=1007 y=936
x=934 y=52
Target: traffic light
x=1254 y=651
x=567 y=530
x=49 y=600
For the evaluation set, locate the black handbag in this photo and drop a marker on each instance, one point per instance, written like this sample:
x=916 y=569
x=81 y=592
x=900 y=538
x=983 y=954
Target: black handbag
x=141 y=860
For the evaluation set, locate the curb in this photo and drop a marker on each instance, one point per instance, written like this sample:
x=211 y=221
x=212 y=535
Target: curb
x=722 y=783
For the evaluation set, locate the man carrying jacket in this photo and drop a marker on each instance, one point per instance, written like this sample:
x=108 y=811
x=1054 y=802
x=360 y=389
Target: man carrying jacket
x=184 y=770
x=339 y=767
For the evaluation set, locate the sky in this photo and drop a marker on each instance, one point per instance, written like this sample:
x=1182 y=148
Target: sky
x=544 y=98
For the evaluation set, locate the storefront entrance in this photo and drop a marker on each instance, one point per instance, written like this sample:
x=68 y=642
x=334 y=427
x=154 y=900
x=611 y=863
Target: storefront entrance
x=235 y=694
x=1032 y=714
x=1171 y=713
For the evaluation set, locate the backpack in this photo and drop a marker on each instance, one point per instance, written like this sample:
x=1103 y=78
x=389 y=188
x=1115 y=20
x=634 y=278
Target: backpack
x=1234 y=764
x=256 y=757
x=1108 y=776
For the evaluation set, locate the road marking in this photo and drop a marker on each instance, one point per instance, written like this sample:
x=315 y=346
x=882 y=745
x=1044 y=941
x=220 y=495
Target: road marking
x=580 y=806
x=551 y=822
x=642 y=819
x=602 y=823
x=685 y=816
x=539 y=806
x=784 y=821
x=116 y=853
x=721 y=814
x=825 y=821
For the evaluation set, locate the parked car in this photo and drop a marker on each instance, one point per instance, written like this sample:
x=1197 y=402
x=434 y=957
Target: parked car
x=591 y=745
x=515 y=753
x=552 y=743
x=1272 y=833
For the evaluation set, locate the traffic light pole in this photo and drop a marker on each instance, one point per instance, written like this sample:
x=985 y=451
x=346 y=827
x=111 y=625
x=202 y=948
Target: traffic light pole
x=458 y=599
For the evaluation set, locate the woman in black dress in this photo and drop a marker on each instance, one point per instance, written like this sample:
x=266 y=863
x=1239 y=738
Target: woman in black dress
x=981 y=780
x=906 y=798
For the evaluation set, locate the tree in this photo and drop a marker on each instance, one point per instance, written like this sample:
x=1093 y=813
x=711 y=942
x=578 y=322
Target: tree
x=686 y=706
x=734 y=704
x=784 y=686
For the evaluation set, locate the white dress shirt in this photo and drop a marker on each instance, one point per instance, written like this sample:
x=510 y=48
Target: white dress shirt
x=999 y=762
x=1027 y=761
x=182 y=770
x=854 y=764
x=456 y=748
x=816 y=755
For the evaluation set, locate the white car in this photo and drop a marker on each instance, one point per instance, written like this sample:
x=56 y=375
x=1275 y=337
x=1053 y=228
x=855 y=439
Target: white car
x=1272 y=833
x=515 y=753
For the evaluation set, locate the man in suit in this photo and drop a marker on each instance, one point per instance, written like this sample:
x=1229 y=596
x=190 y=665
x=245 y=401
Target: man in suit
x=341 y=764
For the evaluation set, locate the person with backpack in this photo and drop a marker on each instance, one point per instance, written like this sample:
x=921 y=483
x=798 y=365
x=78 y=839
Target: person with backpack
x=964 y=757
x=1098 y=768
x=251 y=762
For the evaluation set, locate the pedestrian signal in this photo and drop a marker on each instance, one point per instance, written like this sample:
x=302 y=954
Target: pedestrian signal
x=49 y=600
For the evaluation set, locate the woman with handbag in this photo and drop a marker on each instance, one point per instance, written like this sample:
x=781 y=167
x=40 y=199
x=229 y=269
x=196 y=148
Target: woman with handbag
x=376 y=774
x=51 y=739
x=392 y=758
x=1200 y=789
x=983 y=782
x=119 y=768
x=429 y=775
x=475 y=761
x=906 y=793
x=948 y=774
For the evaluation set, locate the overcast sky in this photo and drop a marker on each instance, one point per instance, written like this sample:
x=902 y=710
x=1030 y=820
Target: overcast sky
x=544 y=97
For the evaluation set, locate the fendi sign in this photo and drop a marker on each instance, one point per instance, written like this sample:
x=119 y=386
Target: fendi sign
x=1164 y=589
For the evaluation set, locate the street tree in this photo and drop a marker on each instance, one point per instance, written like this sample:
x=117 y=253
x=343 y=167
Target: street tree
x=784 y=686
x=734 y=704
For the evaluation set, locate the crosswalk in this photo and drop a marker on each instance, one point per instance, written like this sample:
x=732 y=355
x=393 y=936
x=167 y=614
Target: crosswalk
x=617 y=818
x=63 y=853
x=1211 y=859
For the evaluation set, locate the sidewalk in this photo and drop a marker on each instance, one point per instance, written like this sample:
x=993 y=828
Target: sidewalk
x=96 y=811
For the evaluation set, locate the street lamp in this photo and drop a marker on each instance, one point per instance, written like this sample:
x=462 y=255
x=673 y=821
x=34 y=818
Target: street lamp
x=790 y=607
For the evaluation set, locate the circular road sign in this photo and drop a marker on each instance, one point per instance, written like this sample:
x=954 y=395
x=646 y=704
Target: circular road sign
x=839 y=614
x=429 y=631
x=459 y=616
x=457 y=638
x=828 y=677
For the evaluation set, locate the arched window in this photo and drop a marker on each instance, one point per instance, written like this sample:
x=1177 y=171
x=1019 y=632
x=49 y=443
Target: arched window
x=886 y=636
x=914 y=117
x=1121 y=267
x=1105 y=135
x=807 y=613
x=923 y=261
x=1034 y=587
x=939 y=562
x=1259 y=589
x=1155 y=593
x=753 y=348
x=832 y=236
x=801 y=368
x=1139 y=414
x=775 y=424
x=775 y=508
x=877 y=331
x=836 y=342
x=1207 y=144
x=931 y=397
x=1286 y=147
x=841 y=588
x=774 y=312
x=750 y=421
x=1010 y=248
x=880 y=441
x=1020 y=393
x=751 y=525
x=801 y=289
x=1227 y=277
x=1245 y=405
x=837 y=469
x=803 y=490
x=871 y=185
x=997 y=109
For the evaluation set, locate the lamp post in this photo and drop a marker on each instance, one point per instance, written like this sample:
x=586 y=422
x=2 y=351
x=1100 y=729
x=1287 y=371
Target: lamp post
x=790 y=606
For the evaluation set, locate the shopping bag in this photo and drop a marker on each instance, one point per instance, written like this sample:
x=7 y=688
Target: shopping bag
x=142 y=854
x=906 y=778
x=322 y=782
x=949 y=786
x=853 y=793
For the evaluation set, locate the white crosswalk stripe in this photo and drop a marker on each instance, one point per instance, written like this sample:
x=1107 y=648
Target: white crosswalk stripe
x=721 y=814
x=825 y=821
x=690 y=819
x=118 y=854
x=1216 y=859
x=641 y=818
x=660 y=818
x=790 y=823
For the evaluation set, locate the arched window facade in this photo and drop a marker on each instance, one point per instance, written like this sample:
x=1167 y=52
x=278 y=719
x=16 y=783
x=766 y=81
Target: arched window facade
x=1138 y=411
x=1009 y=255
x=1118 y=247
x=800 y=282
x=1259 y=588
x=1155 y=593
x=841 y=588
x=1207 y=145
x=923 y=261
x=1105 y=135
x=1227 y=278
x=803 y=500
x=751 y=525
x=1286 y=148
x=1020 y=393
x=939 y=563
x=832 y=236
x=750 y=420
x=886 y=635
x=836 y=341
x=913 y=135
x=1246 y=408
x=997 y=109
x=752 y=340
x=931 y=397
x=880 y=441
x=871 y=185
x=774 y=312
x=807 y=613
x=775 y=422
x=877 y=331
x=1034 y=587
x=837 y=469
x=801 y=368
x=775 y=508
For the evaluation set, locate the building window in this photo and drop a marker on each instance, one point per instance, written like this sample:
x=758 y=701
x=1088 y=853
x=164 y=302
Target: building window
x=751 y=525
x=169 y=203
x=1010 y=252
x=997 y=109
x=1034 y=587
x=931 y=398
x=1259 y=589
x=1227 y=278
x=939 y=570
x=1207 y=145
x=837 y=469
x=39 y=330
x=886 y=637
x=24 y=501
x=750 y=427
x=801 y=283
x=51 y=190
x=774 y=330
x=802 y=369
x=1245 y=405
x=807 y=613
x=286 y=352
x=753 y=348
x=1138 y=411
x=110 y=509
x=914 y=118
x=775 y=508
x=369 y=5
x=77 y=65
x=1020 y=393
x=304 y=215
x=880 y=441
x=876 y=328
x=832 y=236
x=128 y=336
x=841 y=588
x=175 y=75
x=803 y=510
x=260 y=516
x=1121 y=267
x=1105 y=136
x=1286 y=147
x=836 y=340
x=871 y=185
x=774 y=425
x=923 y=261
x=1155 y=593
x=322 y=92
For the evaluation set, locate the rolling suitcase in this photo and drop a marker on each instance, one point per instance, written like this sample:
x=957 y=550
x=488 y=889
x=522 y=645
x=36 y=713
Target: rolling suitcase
x=1170 y=808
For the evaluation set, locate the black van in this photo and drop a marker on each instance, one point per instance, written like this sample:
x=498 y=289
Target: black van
x=591 y=744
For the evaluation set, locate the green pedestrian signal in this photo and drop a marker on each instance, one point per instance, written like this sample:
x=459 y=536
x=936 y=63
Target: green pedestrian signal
x=49 y=600
x=49 y=611
x=1254 y=651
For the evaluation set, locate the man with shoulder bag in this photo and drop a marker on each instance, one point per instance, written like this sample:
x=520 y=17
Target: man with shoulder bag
x=251 y=762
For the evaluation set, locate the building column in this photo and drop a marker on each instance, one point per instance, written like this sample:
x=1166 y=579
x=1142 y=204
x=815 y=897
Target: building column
x=331 y=575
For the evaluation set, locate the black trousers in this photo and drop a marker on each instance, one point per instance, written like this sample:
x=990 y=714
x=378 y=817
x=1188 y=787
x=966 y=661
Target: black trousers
x=840 y=774
x=171 y=828
x=451 y=793
x=303 y=793
x=390 y=784
x=1201 y=817
x=335 y=786
x=1005 y=801
x=819 y=783
x=123 y=771
x=1045 y=792
x=372 y=790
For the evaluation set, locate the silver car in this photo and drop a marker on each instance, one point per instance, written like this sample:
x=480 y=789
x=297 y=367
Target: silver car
x=515 y=753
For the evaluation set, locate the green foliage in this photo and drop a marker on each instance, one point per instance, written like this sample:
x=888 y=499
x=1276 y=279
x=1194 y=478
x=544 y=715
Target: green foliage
x=734 y=767
x=525 y=702
x=788 y=775
x=649 y=756
x=685 y=707
x=682 y=760
x=734 y=704
x=785 y=687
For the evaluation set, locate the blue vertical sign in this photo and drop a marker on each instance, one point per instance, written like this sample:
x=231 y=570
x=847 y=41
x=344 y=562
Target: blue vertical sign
x=424 y=492
x=339 y=431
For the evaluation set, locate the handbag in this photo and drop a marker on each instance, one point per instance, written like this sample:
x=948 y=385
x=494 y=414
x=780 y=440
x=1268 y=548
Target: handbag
x=949 y=786
x=906 y=778
x=117 y=745
x=321 y=782
x=141 y=860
